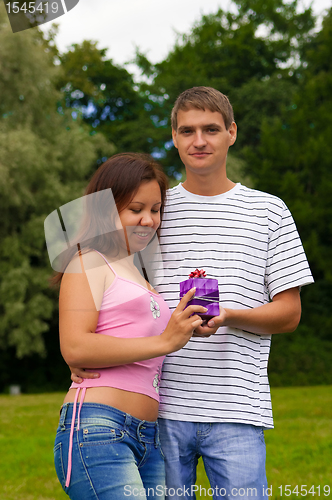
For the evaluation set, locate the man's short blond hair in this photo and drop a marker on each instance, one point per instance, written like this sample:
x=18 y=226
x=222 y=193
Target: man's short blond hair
x=203 y=98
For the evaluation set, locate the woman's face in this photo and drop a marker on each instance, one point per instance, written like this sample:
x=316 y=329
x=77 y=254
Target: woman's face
x=141 y=218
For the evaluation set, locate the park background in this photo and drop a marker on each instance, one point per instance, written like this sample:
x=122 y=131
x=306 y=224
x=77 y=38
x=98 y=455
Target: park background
x=62 y=113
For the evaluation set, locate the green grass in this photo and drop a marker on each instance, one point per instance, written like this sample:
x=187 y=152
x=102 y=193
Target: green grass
x=299 y=449
x=27 y=431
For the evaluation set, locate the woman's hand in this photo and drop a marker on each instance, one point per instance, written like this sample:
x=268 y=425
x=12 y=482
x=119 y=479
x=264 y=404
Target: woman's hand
x=182 y=323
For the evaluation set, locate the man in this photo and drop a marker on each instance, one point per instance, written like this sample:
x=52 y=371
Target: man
x=215 y=396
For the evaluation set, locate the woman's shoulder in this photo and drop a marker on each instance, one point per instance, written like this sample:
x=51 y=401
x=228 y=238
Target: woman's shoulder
x=86 y=260
x=88 y=274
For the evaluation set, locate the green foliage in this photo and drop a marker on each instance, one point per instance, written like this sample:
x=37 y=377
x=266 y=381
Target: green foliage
x=256 y=101
x=104 y=95
x=300 y=359
x=293 y=161
x=45 y=158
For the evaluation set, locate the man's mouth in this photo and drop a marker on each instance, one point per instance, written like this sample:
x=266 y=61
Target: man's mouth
x=202 y=154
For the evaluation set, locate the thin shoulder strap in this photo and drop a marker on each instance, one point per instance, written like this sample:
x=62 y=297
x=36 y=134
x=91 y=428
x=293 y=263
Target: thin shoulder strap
x=142 y=266
x=109 y=265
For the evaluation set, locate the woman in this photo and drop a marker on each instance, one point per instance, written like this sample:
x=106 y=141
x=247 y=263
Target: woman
x=107 y=446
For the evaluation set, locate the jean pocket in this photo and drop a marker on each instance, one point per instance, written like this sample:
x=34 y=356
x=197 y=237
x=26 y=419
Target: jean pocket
x=260 y=433
x=97 y=434
x=161 y=452
x=158 y=445
x=58 y=462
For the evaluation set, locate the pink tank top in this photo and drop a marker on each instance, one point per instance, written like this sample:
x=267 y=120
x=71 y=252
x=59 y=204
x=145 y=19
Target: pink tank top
x=129 y=310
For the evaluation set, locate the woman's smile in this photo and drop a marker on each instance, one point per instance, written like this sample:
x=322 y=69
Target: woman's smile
x=141 y=218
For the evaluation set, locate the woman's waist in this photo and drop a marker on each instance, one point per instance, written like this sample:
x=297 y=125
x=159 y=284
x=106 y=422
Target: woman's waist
x=98 y=414
x=141 y=377
x=140 y=406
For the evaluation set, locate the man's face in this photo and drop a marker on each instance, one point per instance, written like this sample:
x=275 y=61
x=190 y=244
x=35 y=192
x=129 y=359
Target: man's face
x=202 y=140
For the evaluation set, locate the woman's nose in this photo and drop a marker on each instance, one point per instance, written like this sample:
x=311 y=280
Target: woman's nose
x=147 y=220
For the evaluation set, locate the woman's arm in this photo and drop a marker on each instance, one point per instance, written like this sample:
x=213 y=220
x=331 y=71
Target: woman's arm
x=81 y=346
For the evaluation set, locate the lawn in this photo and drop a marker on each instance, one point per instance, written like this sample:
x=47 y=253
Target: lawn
x=299 y=449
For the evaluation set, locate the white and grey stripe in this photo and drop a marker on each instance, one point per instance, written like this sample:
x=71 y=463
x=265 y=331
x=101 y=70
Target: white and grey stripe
x=249 y=242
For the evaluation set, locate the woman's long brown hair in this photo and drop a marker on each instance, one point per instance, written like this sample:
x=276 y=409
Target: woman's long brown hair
x=123 y=173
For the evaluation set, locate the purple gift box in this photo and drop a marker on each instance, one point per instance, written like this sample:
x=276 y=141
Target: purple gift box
x=207 y=295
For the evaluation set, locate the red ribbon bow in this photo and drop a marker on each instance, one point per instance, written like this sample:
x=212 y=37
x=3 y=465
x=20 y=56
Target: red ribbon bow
x=197 y=274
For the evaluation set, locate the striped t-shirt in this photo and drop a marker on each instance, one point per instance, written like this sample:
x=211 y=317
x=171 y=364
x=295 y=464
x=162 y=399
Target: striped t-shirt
x=249 y=242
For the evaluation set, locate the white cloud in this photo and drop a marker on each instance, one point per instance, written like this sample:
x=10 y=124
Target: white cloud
x=149 y=24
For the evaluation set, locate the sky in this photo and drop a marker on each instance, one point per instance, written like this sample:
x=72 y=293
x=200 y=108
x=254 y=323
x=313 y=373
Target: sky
x=121 y=25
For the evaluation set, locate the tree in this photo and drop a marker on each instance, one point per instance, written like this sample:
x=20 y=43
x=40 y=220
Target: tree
x=252 y=56
x=293 y=161
x=104 y=95
x=45 y=157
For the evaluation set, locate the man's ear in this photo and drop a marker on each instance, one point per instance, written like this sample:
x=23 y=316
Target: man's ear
x=232 y=132
x=174 y=136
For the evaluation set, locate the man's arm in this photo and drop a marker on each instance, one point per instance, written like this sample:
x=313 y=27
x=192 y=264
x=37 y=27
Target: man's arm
x=279 y=316
x=78 y=374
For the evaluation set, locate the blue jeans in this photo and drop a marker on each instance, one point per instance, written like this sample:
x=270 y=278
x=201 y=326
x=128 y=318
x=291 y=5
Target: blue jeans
x=114 y=455
x=233 y=456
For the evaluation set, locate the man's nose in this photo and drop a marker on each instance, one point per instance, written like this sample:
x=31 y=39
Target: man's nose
x=199 y=140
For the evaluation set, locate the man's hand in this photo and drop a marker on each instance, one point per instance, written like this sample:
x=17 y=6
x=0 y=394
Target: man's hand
x=210 y=327
x=79 y=374
x=281 y=315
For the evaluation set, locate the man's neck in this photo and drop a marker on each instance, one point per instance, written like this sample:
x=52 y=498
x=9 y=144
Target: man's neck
x=206 y=186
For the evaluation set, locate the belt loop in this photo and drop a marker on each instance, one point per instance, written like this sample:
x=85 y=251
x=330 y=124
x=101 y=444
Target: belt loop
x=128 y=421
